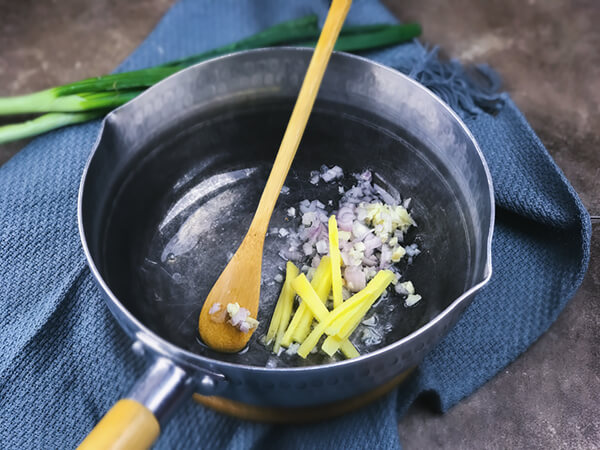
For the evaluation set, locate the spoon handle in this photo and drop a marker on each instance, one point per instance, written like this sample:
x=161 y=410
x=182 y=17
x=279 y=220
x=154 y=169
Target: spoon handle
x=306 y=98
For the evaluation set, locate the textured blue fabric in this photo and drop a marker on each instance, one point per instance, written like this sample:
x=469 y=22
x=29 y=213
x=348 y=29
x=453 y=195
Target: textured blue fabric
x=65 y=361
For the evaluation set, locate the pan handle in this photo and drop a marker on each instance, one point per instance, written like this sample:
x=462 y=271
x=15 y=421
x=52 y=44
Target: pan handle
x=134 y=422
x=128 y=424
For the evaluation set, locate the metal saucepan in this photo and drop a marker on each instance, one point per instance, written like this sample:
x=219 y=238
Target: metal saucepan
x=172 y=184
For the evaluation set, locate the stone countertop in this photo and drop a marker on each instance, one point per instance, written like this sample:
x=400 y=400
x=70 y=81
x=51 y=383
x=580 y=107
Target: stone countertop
x=547 y=53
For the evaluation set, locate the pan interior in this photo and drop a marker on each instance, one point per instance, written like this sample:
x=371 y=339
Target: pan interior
x=186 y=203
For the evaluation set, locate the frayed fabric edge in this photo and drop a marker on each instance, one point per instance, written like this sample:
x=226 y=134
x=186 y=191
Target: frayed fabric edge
x=468 y=90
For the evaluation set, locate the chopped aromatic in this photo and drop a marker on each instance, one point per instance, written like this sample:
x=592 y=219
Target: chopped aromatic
x=283 y=308
x=334 y=253
x=299 y=327
x=351 y=256
x=239 y=317
x=412 y=299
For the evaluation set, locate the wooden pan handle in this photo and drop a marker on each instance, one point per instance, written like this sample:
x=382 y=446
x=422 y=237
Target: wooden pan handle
x=127 y=425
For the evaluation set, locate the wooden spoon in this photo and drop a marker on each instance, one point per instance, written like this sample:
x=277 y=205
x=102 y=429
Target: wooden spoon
x=240 y=281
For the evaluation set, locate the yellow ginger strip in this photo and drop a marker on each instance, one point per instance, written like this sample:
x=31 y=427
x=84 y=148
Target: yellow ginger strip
x=291 y=272
x=352 y=322
x=383 y=278
x=304 y=323
x=285 y=292
x=293 y=326
x=303 y=327
x=283 y=309
x=313 y=338
x=321 y=283
x=309 y=297
x=276 y=317
x=336 y=262
x=348 y=349
x=332 y=344
x=309 y=293
x=346 y=322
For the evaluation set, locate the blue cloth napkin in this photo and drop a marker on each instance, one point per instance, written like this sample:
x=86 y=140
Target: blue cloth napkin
x=64 y=360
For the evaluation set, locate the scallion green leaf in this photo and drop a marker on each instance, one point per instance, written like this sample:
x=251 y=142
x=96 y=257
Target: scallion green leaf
x=93 y=97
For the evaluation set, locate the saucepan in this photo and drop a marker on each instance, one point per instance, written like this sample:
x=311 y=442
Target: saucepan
x=170 y=189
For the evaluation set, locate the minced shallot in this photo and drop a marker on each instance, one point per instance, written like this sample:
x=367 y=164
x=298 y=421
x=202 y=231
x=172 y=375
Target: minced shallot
x=239 y=316
x=326 y=174
x=372 y=226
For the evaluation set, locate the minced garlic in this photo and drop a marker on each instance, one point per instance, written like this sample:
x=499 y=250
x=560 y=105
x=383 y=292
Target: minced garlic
x=239 y=317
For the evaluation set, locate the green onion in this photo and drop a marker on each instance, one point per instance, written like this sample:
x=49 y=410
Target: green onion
x=47 y=101
x=376 y=38
x=45 y=123
x=118 y=81
x=109 y=91
x=293 y=30
x=280 y=34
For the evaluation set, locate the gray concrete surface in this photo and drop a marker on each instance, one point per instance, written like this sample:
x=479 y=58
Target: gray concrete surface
x=548 y=55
